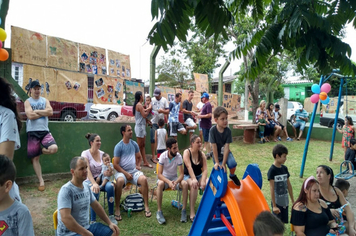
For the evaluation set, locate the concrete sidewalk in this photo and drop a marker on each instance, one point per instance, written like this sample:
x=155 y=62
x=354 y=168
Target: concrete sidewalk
x=352 y=194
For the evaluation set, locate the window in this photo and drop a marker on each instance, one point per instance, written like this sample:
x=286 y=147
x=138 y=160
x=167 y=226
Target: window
x=90 y=89
x=17 y=73
x=215 y=89
x=228 y=88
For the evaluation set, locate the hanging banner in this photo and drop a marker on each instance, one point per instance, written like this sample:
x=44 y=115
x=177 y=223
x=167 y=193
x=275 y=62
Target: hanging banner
x=119 y=65
x=71 y=86
x=28 y=47
x=130 y=89
x=201 y=82
x=108 y=90
x=62 y=53
x=92 y=60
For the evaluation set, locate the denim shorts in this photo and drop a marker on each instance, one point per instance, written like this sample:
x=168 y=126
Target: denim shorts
x=186 y=177
x=231 y=163
x=299 y=125
x=206 y=134
x=153 y=131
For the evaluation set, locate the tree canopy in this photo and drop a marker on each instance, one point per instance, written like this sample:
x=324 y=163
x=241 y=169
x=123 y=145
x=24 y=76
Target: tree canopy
x=311 y=29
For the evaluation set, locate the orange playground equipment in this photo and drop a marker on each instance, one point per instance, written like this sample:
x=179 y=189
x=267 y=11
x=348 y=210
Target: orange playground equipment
x=226 y=209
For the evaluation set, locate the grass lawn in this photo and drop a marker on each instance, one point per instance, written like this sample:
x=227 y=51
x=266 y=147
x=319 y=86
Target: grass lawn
x=43 y=204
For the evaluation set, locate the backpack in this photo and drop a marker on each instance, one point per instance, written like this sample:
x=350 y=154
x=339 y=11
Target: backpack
x=134 y=202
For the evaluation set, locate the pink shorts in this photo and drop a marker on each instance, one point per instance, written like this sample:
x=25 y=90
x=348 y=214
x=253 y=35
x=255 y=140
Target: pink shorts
x=34 y=141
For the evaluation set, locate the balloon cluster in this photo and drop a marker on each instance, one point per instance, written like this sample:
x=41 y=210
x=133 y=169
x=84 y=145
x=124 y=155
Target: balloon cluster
x=4 y=55
x=320 y=93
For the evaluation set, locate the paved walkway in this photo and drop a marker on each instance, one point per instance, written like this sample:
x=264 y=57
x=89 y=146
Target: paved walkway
x=352 y=194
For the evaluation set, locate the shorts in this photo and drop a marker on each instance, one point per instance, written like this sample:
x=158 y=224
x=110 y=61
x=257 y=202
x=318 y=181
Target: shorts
x=140 y=131
x=34 y=141
x=299 y=125
x=160 y=151
x=174 y=128
x=186 y=177
x=153 y=131
x=190 y=123
x=206 y=134
x=135 y=174
x=230 y=162
x=262 y=134
x=166 y=186
x=200 y=129
x=283 y=216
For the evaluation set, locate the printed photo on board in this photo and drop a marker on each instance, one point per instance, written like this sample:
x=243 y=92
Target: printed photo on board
x=68 y=85
x=99 y=82
x=110 y=89
x=76 y=86
x=100 y=93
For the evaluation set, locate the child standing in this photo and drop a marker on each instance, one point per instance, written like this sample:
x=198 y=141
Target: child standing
x=261 y=126
x=107 y=165
x=15 y=217
x=280 y=185
x=161 y=137
x=348 y=132
x=220 y=139
x=350 y=154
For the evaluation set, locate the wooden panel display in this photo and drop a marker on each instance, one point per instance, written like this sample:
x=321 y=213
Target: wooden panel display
x=62 y=53
x=202 y=82
x=92 y=59
x=168 y=93
x=108 y=90
x=119 y=65
x=309 y=106
x=213 y=100
x=235 y=103
x=130 y=89
x=71 y=86
x=28 y=46
x=227 y=101
x=196 y=98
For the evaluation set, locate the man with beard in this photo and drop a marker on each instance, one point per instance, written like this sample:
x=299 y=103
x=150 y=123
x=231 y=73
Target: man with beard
x=167 y=178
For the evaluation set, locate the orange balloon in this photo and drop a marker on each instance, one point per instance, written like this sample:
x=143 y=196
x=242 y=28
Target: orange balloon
x=323 y=96
x=4 y=55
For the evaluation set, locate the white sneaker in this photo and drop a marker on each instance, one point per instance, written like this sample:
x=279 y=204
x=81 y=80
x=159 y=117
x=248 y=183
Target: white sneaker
x=112 y=219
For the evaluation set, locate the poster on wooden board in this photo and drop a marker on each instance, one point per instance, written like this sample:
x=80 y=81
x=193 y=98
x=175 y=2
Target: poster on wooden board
x=348 y=107
x=309 y=106
x=213 y=100
x=62 y=53
x=92 y=60
x=71 y=86
x=235 y=103
x=201 y=82
x=168 y=93
x=227 y=101
x=119 y=65
x=108 y=90
x=131 y=88
x=28 y=47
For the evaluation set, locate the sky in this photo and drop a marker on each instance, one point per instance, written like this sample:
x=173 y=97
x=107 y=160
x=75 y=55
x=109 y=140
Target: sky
x=121 y=26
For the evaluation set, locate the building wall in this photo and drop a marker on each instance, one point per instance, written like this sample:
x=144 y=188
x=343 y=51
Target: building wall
x=297 y=91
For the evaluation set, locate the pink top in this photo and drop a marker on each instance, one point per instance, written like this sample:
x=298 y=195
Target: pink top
x=95 y=167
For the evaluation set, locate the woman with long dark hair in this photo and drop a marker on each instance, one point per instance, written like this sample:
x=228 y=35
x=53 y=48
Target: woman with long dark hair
x=272 y=124
x=195 y=171
x=140 y=128
x=10 y=125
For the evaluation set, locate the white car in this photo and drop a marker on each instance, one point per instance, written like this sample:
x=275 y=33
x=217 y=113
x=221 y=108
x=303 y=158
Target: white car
x=292 y=107
x=104 y=112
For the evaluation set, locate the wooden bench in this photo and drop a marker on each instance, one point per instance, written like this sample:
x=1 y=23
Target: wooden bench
x=249 y=132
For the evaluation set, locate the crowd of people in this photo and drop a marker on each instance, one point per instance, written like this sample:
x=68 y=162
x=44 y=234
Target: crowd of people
x=313 y=213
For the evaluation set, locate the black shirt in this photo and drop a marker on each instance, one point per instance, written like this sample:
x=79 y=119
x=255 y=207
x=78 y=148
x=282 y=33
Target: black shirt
x=187 y=106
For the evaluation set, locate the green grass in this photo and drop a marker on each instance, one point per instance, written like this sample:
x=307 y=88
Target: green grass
x=45 y=203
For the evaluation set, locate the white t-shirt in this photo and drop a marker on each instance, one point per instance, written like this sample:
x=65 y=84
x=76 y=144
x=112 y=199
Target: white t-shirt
x=156 y=105
x=8 y=127
x=170 y=166
x=161 y=138
x=200 y=105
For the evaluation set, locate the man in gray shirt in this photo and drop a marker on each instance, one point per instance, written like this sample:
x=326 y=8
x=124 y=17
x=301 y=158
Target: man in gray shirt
x=74 y=199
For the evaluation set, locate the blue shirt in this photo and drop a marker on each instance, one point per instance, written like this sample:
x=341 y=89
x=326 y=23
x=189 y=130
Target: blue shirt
x=127 y=153
x=301 y=113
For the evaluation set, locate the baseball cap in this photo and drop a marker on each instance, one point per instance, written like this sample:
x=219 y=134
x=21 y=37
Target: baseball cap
x=277 y=106
x=205 y=95
x=35 y=84
x=300 y=107
x=157 y=92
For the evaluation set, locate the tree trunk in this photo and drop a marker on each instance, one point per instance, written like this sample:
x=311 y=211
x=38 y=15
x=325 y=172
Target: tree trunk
x=254 y=94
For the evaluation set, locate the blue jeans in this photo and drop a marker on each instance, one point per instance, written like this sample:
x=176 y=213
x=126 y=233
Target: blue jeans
x=152 y=132
x=300 y=125
x=230 y=162
x=109 y=189
x=98 y=229
x=206 y=134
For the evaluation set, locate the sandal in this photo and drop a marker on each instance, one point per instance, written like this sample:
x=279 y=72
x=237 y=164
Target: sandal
x=118 y=217
x=192 y=218
x=148 y=214
x=148 y=165
x=154 y=160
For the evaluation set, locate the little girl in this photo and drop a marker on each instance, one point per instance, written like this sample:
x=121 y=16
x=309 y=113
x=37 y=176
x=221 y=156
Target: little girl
x=348 y=132
x=148 y=106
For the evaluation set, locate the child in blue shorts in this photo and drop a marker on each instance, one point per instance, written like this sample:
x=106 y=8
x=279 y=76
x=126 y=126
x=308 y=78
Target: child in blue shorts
x=220 y=139
x=261 y=127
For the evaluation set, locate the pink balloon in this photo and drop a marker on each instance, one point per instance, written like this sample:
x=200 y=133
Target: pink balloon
x=0 y=44
x=314 y=98
x=325 y=88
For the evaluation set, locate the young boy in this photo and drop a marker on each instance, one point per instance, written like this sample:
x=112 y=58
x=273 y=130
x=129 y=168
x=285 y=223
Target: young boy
x=15 y=218
x=107 y=165
x=350 y=154
x=280 y=186
x=261 y=126
x=168 y=178
x=161 y=138
x=266 y=224
x=220 y=139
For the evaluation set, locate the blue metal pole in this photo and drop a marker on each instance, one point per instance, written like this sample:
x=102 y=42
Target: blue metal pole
x=308 y=135
x=336 y=118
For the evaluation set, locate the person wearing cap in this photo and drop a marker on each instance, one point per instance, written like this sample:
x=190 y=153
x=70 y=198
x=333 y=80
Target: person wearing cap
x=205 y=122
x=160 y=109
x=37 y=110
x=277 y=116
x=174 y=125
x=300 y=119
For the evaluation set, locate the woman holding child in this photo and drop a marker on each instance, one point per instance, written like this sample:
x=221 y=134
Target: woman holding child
x=311 y=215
x=272 y=123
x=334 y=197
x=262 y=109
x=195 y=171
x=94 y=157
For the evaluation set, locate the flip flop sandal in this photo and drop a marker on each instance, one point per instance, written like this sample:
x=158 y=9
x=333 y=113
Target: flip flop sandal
x=148 y=214
x=118 y=217
x=154 y=161
x=149 y=165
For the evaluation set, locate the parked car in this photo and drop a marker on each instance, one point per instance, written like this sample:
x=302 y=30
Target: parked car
x=105 y=111
x=328 y=119
x=292 y=107
x=63 y=111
